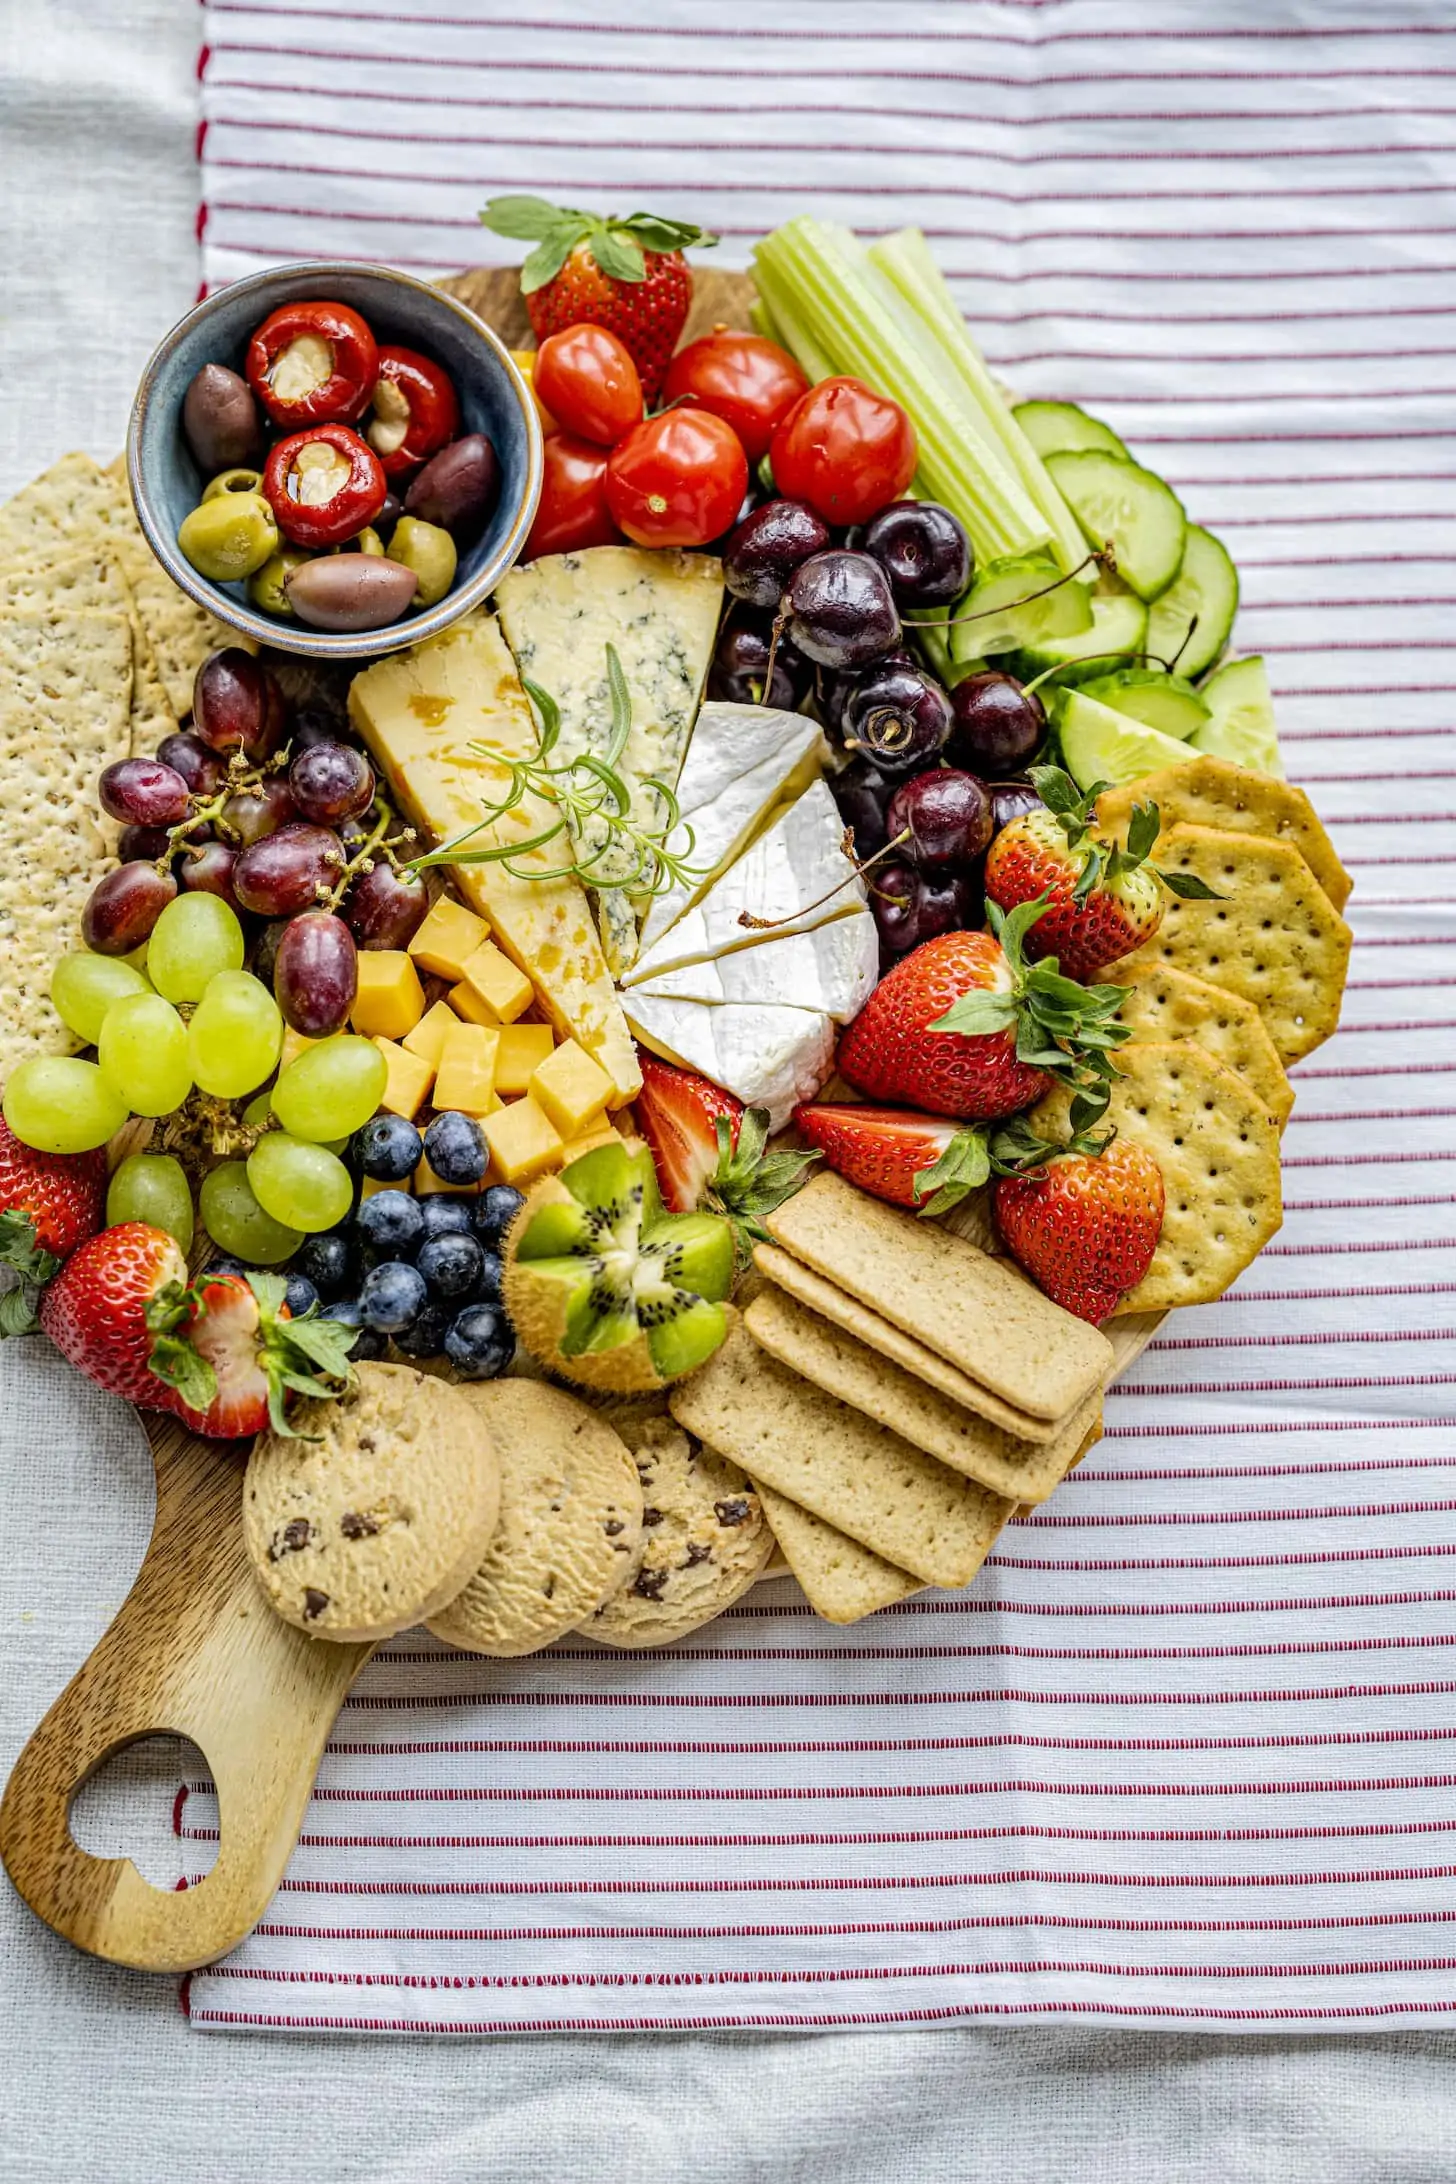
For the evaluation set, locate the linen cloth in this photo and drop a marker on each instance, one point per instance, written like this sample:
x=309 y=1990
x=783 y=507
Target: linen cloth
x=97 y=195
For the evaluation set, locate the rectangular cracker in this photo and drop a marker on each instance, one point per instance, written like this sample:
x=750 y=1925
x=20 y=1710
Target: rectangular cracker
x=65 y=704
x=1166 y=1003
x=829 y=1301
x=857 y=1476
x=1218 y=1149
x=1213 y=792
x=82 y=579
x=848 y=1369
x=841 y=1580
x=980 y=1313
x=1273 y=939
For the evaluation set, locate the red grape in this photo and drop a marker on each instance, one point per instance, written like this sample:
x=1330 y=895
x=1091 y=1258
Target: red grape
x=143 y=792
x=285 y=872
x=253 y=813
x=236 y=704
x=208 y=870
x=143 y=842
x=316 y=974
x=188 y=755
x=330 y=782
x=384 y=908
x=123 y=907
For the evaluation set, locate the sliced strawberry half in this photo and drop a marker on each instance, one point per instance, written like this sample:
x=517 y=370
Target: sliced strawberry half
x=678 y=1115
x=238 y=1351
x=896 y=1154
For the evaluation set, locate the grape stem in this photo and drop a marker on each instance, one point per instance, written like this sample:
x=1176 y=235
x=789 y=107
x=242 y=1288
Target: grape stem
x=207 y=810
x=362 y=859
x=861 y=866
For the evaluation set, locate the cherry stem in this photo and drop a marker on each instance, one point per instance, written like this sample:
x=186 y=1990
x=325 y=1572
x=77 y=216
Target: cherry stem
x=767 y=925
x=773 y=652
x=1102 y=556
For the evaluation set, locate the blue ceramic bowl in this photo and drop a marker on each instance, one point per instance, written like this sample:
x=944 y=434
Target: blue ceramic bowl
x=166 y=483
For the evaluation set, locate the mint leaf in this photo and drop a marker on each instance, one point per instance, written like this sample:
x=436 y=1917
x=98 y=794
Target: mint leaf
x=619 y=256
x=526 y=219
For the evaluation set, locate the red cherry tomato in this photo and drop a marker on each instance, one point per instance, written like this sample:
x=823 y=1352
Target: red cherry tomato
x=678 y=479
x=750 y=383
x=323 y=485
x=312 y=364
x=845 y=451
x=573 y=510
x=590 y=384
x=415 y=411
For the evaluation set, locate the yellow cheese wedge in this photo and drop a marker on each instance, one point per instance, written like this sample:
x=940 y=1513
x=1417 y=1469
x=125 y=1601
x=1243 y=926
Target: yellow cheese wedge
x=408 y=1081
x=390 y=999
x=523 y=1048
x=571 y=1088
x=420 y=712
x=448 y=938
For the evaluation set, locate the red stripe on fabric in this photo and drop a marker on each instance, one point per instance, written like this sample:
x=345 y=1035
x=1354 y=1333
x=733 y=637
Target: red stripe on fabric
x=779 y=2021
x=839 y=1975
x=742 y=32
x=911 y=1882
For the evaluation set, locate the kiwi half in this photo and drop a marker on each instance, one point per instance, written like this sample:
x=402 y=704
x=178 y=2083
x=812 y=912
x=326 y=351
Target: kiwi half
x=606 y=1288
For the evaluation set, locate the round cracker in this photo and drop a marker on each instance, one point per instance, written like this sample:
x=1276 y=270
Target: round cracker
x=1218 y=1148
x=1166 y=1003
x=380 y=1516
x=570 y=1520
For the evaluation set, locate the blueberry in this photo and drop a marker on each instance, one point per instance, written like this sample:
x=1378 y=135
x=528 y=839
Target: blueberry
x=479 y=1343
x=300 y=1295
x=456 y=1149
x=368 y=1345
x=226 y=1266
x=393 y=1295
x=495 y=1209
x=390 y=1148
x=330 y=1262
x=450 y=1265
x=488 y=1284
x=445 y=1216
x=425 y=1336
x=390 y=1224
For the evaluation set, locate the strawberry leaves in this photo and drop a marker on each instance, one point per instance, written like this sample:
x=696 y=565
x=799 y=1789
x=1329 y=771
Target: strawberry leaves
x=1074 y=812
x=750 y=1182
x=174 y=1358
x=308 y=1355
x=31 y=1263
x=962 y=1168
x=618 y=245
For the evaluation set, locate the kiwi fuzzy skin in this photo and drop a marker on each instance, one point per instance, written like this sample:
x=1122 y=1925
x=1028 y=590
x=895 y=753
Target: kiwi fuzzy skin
x=538 y=1314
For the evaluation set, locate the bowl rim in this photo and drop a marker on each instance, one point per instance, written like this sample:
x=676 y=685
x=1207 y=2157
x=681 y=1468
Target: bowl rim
x=294 y=637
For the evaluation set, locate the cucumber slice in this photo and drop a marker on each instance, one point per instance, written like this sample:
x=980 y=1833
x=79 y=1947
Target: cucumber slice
x=1057 y=428
x=932 y=643
x=1206 y=586
x=1119 y=621
x=1099 y=744
x=1117 y=500
x=1240 y=725
x=1162 y=701
x=1008 y=618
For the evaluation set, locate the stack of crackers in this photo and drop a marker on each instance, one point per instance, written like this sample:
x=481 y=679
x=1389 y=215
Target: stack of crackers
x=98 y=650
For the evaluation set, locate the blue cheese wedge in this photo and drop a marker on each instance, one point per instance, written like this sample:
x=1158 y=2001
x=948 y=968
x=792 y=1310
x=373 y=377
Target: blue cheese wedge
x=744 y=764
x=833 y=969
x=422 y=713
x=768 y=1057
x=795 y=875
x=660 y=611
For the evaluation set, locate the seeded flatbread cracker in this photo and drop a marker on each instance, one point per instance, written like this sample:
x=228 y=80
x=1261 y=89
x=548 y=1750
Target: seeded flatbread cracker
x=839 y=1465
x=1273 y=939
x=71 y=579
x=704 y=1539
x=75 y=500
x=1166 y=1003
x=980 y=1313
x=181 y=634
x=841 y=1580
x=1213 y=792
x=848 y=1369
x=1218 y=1149
x=376 y=1511
x=65 y=701
x=570 y=1516
x=830 y=1302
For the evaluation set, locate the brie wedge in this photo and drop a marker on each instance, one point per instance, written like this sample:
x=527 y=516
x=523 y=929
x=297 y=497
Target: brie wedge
x=833 y=969
x=768 y=1057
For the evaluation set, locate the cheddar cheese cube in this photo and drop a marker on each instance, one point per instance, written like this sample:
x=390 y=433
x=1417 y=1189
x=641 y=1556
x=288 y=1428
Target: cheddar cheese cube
x=495 y=980
x=448 y=938
x=523 y=1048
x=427 y=1184
x=293 y=1045
x=523 y=1141
x=601 y=1133
x=428 y=1037
x=390 y=1000
x=408 y=1080
x=571 y=1088
x=465 y=1078
x=370 y=1184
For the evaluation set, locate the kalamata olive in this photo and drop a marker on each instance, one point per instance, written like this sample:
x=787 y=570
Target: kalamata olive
x=457 y=489
x=897 y=716
x=350 y=591
x=767 y=547
x=946 y=815
x=220 y=419
x=841 y=612
x=391 y=512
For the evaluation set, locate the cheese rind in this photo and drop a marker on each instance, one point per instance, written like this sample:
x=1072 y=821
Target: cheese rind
x=767 y=1057
x=833 y=969
x=420 y=712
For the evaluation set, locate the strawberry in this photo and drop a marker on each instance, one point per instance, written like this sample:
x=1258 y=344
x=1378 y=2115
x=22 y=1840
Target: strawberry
x=964 y=1027
x=1084 y=1226
x=109 y=1304
x=628 y=275
x=909 y=1159
x=49 y=1203
x=711 y=1152
x=1102 y=902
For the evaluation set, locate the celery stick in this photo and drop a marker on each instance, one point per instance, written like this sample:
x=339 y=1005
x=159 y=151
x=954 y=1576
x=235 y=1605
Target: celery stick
x=792 y=332
x=906 y=261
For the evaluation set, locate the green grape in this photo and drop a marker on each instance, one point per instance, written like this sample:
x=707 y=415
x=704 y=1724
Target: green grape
x=196 y=936
x=143 y=1054
x=331 y=1090
x=258 y=1111
x=137 y=959
x=234 y=1035
x=83 y=987
x=59 y=1105
x=300 y=1184
x=236 y=1222
x=152 y=1187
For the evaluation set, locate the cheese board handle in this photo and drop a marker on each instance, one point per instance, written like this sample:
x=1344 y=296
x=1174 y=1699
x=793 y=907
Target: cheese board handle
x=195 y=1651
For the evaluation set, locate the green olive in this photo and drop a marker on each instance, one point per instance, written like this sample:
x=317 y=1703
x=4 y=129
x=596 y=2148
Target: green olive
x=366 y=541
x=266 y=585
x=229 y=537
x=233 y=481
x=430 y=552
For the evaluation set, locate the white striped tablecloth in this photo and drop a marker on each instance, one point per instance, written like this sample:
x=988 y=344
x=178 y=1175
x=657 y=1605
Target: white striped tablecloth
x=1186 y=1754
